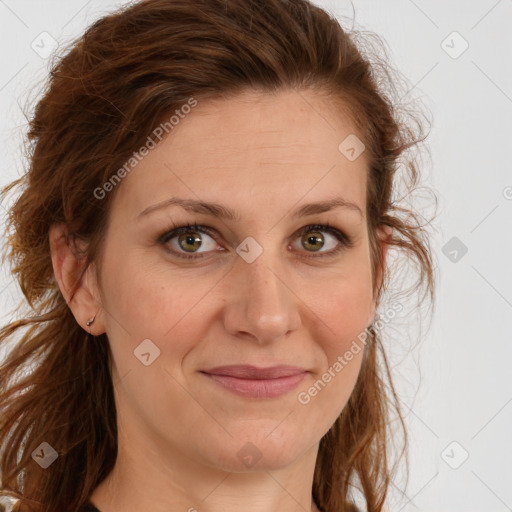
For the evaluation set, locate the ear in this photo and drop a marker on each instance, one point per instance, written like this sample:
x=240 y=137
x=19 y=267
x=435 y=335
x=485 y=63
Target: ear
x=384 y=234
x=71 y=277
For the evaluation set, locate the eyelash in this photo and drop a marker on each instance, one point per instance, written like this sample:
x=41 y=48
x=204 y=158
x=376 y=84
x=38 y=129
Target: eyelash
x=174 y=230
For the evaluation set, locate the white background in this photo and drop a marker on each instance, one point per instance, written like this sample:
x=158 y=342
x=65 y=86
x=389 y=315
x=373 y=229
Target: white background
x=457 y=385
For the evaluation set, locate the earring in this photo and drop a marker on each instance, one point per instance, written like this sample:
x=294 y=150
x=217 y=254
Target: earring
x=90 y=321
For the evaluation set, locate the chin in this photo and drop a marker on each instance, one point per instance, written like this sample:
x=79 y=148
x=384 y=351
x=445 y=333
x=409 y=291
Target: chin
x=259 y=452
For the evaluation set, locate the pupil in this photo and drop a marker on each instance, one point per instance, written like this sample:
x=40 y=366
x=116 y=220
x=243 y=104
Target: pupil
x=315 y=241
x=190 y=240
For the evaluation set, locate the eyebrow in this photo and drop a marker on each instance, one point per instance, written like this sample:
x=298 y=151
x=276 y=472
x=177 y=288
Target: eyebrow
x=219 y=211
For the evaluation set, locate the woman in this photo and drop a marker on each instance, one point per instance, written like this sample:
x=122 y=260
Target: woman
x=202 y=234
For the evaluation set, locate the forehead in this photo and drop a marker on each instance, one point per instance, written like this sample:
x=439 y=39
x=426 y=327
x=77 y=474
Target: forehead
x=252 y=147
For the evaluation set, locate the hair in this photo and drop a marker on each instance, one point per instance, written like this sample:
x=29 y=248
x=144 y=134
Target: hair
x=106 y=93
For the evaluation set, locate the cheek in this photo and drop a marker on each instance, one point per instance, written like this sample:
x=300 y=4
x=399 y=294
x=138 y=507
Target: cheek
x=342 y=316
x=344 y=305
x=150 y=302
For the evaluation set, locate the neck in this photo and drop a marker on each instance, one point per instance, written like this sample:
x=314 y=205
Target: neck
x=139 y=478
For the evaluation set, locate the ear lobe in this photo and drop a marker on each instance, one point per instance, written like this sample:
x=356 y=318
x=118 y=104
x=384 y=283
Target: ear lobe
x=73 y=278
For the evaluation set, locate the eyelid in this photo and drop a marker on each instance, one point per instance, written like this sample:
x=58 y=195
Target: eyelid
x=344 y=240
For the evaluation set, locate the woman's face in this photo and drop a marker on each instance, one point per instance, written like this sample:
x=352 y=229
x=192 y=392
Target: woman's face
x=263 y=288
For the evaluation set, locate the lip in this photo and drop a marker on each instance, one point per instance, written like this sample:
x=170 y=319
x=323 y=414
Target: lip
x=254 y=382
x=246 y=371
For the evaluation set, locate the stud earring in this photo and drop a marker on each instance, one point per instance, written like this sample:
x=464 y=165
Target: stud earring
x=90 y=321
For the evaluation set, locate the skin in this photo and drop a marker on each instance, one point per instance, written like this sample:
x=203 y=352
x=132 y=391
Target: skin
x=261 y=155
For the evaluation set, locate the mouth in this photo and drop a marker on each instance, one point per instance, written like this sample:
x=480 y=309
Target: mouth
x=254 y=382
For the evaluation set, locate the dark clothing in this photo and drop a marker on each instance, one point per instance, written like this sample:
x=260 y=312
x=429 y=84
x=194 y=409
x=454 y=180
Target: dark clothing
x=88 y=507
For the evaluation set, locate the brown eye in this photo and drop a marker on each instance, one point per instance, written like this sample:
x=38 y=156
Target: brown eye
x=317 y=237
x=190 y=242
x=188 y=239
x=313 y=240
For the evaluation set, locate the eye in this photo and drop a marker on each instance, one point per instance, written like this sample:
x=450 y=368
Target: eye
x=189 y=239
x=186 y=241
x=312 y=238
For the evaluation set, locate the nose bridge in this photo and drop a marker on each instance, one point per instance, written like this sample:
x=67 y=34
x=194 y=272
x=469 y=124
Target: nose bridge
x=261 y=304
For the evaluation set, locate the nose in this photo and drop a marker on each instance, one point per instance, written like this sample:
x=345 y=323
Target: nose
x=260 y=305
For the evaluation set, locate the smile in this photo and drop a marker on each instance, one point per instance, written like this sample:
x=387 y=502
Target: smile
x=251 y=382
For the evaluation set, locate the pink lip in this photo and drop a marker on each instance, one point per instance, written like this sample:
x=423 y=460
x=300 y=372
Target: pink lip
x=250 y=381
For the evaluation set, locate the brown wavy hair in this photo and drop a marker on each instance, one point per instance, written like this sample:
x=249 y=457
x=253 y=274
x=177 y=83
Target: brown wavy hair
x=106 y=93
